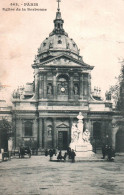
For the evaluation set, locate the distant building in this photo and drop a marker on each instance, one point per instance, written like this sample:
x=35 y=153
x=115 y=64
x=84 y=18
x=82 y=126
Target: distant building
x=44 y=111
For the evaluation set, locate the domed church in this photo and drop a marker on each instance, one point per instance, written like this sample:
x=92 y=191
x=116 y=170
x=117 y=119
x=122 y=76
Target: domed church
x=44 y=110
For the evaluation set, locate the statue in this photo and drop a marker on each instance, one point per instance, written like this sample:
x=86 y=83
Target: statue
x=49 y=89
x=75 y=89
x=80 y=141
x=74 y=133
x=86 y=136
x=80 y=125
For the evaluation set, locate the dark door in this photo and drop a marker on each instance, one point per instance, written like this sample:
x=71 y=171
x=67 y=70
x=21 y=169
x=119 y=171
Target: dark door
x=62 y=140
x=120 y=141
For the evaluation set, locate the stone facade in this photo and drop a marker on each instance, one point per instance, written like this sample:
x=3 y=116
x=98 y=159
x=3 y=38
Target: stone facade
x=43 y=111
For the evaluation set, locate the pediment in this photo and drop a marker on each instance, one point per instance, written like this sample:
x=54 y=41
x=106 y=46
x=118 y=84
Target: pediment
x=62 y=126
x=65 y=61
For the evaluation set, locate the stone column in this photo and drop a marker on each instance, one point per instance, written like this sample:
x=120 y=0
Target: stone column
x=45 y=133
x=81 y=86
x=89 y=86
x=71 y=93
x=41 y=86
x=45 y=85
x=43 y=141
x=40 y=133
x=36 y=130
x=54 y=86
x=54 y=133
x=85 y=86
x=71 y=123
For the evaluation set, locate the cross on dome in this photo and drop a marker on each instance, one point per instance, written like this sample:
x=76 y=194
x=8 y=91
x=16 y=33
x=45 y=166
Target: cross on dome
x=58 y=4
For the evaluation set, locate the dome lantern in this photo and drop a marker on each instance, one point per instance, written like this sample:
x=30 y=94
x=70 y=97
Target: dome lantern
x=58 y=23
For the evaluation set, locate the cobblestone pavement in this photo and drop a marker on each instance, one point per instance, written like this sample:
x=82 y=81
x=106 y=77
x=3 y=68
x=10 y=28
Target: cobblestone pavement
x=39 y=176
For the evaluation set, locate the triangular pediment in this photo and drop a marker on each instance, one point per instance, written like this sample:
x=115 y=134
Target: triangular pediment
x=64 y=60
x=62 y=126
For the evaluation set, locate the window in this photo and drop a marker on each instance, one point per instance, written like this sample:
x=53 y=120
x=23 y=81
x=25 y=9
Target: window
x=44 y=44
x=59 y=42
x=28 y=128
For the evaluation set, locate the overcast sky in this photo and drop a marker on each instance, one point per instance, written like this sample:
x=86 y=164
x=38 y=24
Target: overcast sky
x=96 y=26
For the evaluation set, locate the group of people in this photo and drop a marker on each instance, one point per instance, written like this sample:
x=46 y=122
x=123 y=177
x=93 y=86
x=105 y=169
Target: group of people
x=70 y=154
x=109 y=152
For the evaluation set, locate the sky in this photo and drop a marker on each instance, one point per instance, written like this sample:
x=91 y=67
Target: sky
x=95 y=25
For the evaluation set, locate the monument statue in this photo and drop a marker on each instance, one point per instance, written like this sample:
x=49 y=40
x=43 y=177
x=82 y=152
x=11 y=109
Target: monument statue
x=74 y=133
x=80 y=141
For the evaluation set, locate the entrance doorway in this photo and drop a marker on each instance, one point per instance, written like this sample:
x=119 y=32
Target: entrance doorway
x=97 y=142
x=62 y=140
x=120 y=141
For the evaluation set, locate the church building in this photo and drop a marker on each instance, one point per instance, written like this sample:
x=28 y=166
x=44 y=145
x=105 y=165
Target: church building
x=44 y=110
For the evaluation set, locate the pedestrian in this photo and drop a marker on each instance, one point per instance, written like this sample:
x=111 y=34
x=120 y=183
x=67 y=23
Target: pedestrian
x=59 y=157
x=51 y=154
x=69 y=152
x=104 y=151
x=111 y=154
x=46 y=152
x=73 y=155
x=65 y=155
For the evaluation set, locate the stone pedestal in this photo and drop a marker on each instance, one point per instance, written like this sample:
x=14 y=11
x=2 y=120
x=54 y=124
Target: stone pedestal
x=80 y=141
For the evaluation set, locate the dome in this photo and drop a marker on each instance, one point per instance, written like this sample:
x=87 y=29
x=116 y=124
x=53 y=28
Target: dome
x=60 y=43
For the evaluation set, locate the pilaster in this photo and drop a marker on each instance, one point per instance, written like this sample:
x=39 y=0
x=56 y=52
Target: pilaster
x=54 y=85
x=71 y=93
x=81 y=85
x=54 y=133
x=41 y=86
x=45 y=85
x=40 y=132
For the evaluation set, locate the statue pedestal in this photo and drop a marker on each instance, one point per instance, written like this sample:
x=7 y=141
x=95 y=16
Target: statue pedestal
x=83 y=149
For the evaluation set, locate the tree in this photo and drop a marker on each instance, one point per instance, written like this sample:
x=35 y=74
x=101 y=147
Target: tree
x=5 y=133
x=117 y=90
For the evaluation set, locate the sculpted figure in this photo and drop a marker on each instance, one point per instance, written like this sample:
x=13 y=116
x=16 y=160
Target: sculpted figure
x=86 y=136
x=75 y=133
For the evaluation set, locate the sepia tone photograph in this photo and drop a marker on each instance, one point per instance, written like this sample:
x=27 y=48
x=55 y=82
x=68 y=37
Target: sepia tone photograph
x=61 y=97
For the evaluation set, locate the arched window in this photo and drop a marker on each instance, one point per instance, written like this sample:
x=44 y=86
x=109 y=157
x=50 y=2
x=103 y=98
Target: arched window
x=28 y=128
x=59 y=42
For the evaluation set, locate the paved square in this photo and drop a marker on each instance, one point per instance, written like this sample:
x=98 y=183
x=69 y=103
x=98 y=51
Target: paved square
x=39 y=176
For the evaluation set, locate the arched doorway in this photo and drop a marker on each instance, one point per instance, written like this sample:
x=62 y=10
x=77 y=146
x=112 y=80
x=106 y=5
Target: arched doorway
x=120 y=141
x=63 y=137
